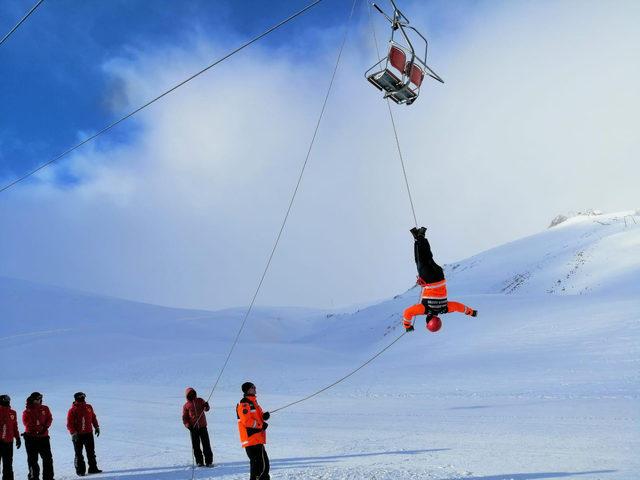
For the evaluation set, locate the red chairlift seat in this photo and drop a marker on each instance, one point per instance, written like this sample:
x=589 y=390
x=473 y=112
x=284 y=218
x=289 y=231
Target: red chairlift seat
x=394 y=84
x=399 y=79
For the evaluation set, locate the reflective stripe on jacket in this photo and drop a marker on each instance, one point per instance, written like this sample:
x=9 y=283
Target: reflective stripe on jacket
x=435 y=290
x=250 y=422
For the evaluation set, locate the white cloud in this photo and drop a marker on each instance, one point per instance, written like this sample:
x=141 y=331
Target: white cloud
x=537 y=117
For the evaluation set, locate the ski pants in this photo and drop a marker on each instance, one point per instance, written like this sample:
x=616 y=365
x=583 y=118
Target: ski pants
x=85 y=440
x=39 y=447
x=259 y=462
x=420 y=309
x=428 y=269
x=198 y=436
x=6 y=460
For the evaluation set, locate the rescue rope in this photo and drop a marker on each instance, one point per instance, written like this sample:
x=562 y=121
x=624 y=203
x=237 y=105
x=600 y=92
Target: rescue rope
x=342 y=378
x=22 y=20
x=393 y=124
x=162 y=95
x=286 y=216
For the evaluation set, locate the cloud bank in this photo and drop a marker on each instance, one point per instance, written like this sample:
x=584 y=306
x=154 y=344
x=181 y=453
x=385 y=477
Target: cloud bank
x=537 y=117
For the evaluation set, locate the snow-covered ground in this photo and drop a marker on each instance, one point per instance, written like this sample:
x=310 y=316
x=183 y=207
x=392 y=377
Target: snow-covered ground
x=544 y=384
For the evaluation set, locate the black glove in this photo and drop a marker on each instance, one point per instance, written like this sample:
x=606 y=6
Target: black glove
x=97 y=431
x=409 y=329
x=266 y=415
x=264 y=426
x=18 y=442
x=74 y=437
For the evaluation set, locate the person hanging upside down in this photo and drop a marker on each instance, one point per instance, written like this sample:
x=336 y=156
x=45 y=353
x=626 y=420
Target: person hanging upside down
x=434 y=287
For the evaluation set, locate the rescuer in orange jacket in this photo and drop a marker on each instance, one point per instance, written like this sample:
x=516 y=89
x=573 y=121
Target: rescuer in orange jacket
x=434 y=287
x=252 y=427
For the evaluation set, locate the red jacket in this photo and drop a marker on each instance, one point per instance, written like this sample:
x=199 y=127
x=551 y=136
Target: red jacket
x=8 y=425
x=193 y=412
x=81 y=418
x=37 y=420
x=250 y=422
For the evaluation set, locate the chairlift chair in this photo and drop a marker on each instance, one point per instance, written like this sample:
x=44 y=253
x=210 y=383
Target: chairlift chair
x=403 y=71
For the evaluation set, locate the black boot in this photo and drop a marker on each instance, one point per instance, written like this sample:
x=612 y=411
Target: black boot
x=418 y=232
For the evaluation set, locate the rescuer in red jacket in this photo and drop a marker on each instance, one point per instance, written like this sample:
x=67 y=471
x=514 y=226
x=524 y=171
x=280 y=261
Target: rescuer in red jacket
x=81 y=421
x=195 y=420
x=37 y=419
x=8 y=433
x=253 y=432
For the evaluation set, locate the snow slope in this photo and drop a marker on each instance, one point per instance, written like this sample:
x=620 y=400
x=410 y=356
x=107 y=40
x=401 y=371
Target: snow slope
x=543 y=384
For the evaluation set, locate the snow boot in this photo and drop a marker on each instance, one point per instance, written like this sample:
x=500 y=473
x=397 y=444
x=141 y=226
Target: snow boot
x=418 y=232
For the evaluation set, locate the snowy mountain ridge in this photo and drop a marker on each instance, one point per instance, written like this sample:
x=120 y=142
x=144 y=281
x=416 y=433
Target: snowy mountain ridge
x=593 y=253
x=547 y=376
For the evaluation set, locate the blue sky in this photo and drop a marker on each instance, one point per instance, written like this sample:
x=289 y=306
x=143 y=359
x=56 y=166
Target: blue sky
x=54 y=85
x=181 y=204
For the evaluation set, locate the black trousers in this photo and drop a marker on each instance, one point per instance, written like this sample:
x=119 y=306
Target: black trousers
x=428 y=269
x=39 y=447
x=259 y=461
x=6 y=460
x=201 y=436
x=85 y=440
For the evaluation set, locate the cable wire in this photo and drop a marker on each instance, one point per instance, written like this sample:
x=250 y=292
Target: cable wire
x=164 y=94
x=288 y=212
x=342 y=379
x=393 y=124
x=22 y=20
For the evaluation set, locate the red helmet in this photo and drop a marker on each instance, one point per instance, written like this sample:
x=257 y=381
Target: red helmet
x=434 y=324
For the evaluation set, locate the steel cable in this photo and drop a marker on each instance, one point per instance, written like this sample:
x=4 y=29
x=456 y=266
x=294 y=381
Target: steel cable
x=164 y=94
x=22 y=20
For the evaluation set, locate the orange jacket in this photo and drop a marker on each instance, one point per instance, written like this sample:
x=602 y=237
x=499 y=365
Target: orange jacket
x=250 y=422
x=436 y=290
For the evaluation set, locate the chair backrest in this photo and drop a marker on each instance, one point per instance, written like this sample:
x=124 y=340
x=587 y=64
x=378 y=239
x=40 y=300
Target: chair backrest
x=416 y=75
x=397 y=58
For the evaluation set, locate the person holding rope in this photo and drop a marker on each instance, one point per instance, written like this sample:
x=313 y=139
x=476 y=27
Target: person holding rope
x=434 y=287
x=195 y=420
x=252 y=426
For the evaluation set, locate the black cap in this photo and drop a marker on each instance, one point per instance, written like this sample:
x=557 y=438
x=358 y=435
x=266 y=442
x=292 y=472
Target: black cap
x=33 y=397
x=79 y=396
x=5 y=400
x=246 y=386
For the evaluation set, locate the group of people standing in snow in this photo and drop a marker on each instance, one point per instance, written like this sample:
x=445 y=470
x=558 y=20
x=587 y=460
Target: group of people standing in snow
x=37 y=419
x=252 y=420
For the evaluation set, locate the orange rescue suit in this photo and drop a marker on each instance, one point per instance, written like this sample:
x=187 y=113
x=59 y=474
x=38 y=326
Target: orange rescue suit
x=434 y=302
x=250 y=422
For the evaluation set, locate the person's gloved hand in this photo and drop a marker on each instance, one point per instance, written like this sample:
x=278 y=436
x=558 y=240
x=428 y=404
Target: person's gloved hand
x=264 y=425
x=74 y=437
x=409 y=329
x=97 y=431
x=266 y=415
x=18 y=442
